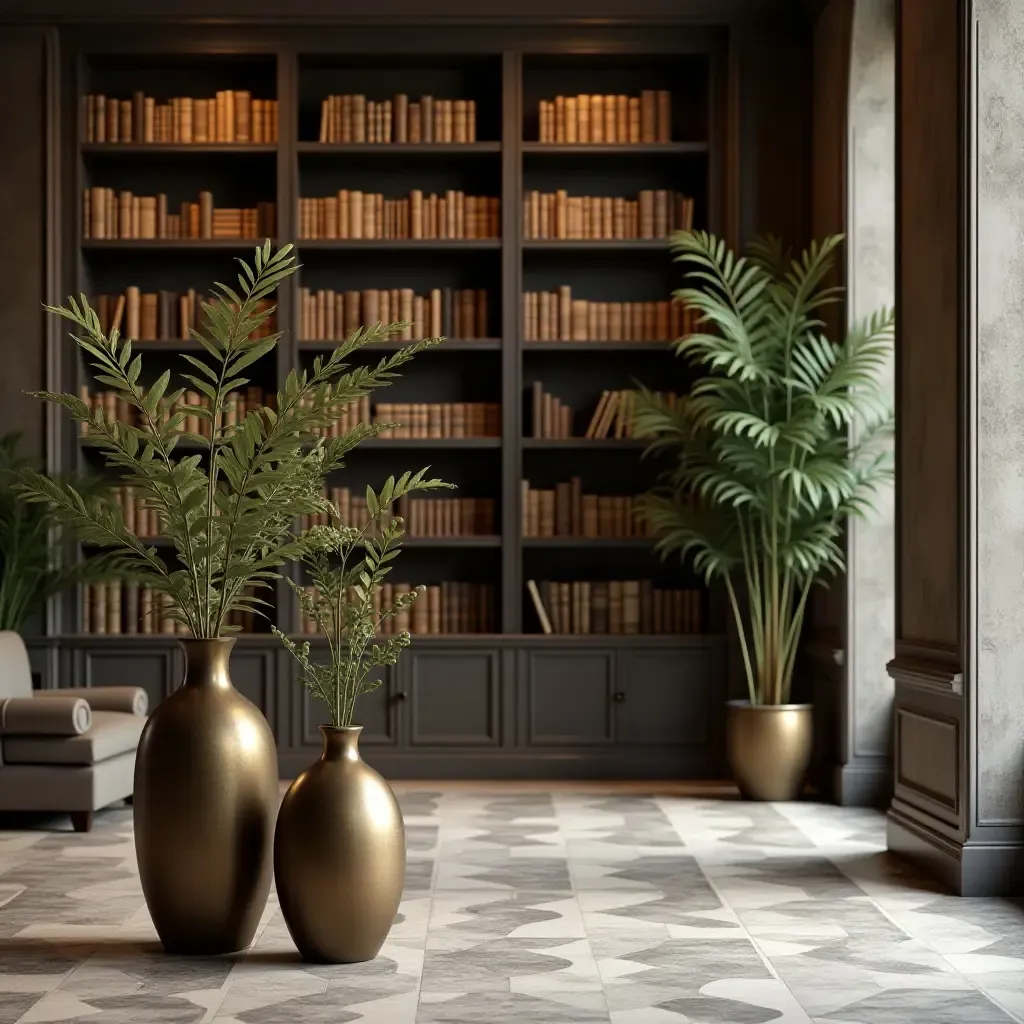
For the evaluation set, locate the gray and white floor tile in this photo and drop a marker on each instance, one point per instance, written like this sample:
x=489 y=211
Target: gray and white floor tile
x=584 y=905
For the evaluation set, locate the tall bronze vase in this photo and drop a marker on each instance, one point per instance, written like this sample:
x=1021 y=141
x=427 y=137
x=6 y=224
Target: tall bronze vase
x=205 y=797
x=339 y=855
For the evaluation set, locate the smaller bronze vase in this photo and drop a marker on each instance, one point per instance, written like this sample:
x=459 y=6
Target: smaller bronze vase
x=769 y=748
x=339 y=855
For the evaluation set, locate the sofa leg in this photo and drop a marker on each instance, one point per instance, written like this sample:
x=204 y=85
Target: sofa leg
x=81 y=821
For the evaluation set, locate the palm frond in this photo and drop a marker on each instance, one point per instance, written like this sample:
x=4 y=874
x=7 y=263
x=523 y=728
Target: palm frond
x=782 y=437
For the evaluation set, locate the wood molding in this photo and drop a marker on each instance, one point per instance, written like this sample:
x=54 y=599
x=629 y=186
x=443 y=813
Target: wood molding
x=408 y=12
x=921 y=673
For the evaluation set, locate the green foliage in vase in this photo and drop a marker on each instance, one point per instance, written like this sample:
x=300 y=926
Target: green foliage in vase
x=777 y=444
x=229 y=507
x=347 y=566
x=33 y=563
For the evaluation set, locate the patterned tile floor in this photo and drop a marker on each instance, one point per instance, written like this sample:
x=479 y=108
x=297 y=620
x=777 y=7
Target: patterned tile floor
x=523 y=906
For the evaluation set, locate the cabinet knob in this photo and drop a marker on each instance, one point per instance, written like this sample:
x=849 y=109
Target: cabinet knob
x=399 y=696
x=619 y=697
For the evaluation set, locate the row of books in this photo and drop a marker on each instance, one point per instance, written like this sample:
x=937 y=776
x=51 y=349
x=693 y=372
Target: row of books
x=617 y=607
x=439 y=419
x=551 y=418
x=565 y=511
x=557 y=316
x=655 y=213
x=139 y=519
x=110 y=214
x=354 y=118
x=114 y=608
x=230 y=116
x=422 y=517
x=327 y=315
x=445 y=608
x=607 y=119
x=237 y=405
x=352 y=214
x=155 y=316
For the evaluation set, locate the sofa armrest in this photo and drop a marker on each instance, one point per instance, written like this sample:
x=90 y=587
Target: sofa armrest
x=27 y=716
x=132 y=700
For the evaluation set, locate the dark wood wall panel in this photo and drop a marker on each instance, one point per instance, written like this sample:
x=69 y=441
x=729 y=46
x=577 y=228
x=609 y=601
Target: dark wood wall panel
x=928 y=593
x=23 y=213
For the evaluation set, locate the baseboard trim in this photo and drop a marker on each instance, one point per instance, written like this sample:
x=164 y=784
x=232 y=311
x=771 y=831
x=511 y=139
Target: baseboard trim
x=522 y=764
x=971 y=868
x=862 y=783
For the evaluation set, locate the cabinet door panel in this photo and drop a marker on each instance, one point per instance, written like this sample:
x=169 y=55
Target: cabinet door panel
x=456 y=698
x=157 y=670
x=664 y=697
x=569 y=697
x=254 y=674
x=374 y=712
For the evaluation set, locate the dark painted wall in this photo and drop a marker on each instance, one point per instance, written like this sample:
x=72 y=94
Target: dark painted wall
x=23 y=221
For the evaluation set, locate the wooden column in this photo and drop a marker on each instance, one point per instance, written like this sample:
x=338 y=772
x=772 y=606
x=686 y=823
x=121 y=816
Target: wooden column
x=958 y=798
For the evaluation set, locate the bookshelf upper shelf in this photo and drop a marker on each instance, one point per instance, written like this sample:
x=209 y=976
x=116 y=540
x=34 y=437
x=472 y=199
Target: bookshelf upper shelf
x=404 y=149
x=616 y=149
x=173 y=243
x=599 y=244
x=399 y=243
x=176 y=148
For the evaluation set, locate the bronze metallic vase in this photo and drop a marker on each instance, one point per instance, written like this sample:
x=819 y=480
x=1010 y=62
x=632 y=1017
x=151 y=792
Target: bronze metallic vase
x=205 y=797
x=769 y=748
x=339 y=855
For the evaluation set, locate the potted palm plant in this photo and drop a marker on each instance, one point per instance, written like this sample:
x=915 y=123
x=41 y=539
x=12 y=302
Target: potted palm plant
x=339 y=846
x=206 y=771
x=775 y=446
x=32 y=566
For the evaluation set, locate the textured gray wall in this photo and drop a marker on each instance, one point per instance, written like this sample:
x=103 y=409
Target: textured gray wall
x=1000 y=413
x=871 y=284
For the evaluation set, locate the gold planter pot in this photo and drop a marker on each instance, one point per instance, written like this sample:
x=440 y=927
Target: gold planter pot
x=205 y=797
x=769 y=748
x=339 y=855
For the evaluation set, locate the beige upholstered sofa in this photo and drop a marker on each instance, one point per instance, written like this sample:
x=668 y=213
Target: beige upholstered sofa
x=63 y=750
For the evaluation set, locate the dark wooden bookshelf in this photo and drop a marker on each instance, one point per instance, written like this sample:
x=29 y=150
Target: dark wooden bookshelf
x=513 y=701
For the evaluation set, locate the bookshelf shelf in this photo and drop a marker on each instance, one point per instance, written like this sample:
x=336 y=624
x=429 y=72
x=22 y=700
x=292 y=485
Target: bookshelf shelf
x=430 y=442
x=645 y=149
x=450 y=344
x=171 y=244
x=598 y=245
x=163 y=149
x=597 y=346
x=400 y=244
x=399 y=149
x=583 y=443
x=588 y=542
x=452 y=542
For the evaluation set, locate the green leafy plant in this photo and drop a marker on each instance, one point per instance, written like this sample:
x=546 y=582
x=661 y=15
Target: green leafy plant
x=229 y=507
x=32 y=563
x=347 y=566
x=776 y=444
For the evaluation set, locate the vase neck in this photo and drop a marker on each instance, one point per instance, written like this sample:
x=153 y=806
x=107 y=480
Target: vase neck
x=207 y=662
x=341 y=744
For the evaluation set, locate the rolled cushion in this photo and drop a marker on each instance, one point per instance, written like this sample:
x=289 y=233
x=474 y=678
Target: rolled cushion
x=112 y=733
x=132 y=700
x=28 y=716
